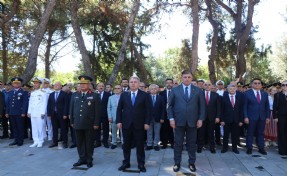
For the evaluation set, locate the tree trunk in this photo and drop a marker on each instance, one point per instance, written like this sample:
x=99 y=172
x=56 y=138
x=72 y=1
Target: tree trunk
x=120 y=60
x=80 y=40
x=36 y=40
x=14 y=8
x=4 y=55
x=47 y=54
x=195 y=33
x=213 y=49
x=141 y=64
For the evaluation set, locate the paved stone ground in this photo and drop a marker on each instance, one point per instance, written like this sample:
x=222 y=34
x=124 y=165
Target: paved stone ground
x=17 y=161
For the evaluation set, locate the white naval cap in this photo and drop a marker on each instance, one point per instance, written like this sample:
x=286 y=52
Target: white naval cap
x=219 y=81
x=47 y=81
x=37 y=79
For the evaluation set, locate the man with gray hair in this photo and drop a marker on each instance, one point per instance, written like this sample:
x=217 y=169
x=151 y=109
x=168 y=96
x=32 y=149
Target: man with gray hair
x=157 y=118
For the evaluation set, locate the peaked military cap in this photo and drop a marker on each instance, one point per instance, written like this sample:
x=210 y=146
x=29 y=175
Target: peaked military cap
x=85 y=79
x=16 y=80
x=239 y=84
x=37 y=79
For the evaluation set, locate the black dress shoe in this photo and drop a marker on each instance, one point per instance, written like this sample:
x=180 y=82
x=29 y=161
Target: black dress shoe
x=148 y=148
x=79 y=163
x=53 y=145
x=113 y=146
x=11 y=137
x=199 y=150
x=65 y=145
x=192 y=167
x=219 y=143
x=142 y=168
x=13 y=143
x=212 y=150
x=124 y=167
x=73 y=146
x=90 y=164
x=176 y=167
x=156 y=148
x=4 y=137
x=97 y=145
x=106 y=145
x=164 y=146
x=262 y=151
x=19 y=144
x=249 y=151
x=235 y=151
x=172 y=146
x=224 y=150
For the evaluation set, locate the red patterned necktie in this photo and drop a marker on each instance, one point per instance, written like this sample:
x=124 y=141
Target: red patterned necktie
x=232 y=101
x=258 y=97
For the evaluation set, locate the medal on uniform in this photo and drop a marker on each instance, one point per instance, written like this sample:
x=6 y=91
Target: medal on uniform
x=18 y=98
x=89 y=103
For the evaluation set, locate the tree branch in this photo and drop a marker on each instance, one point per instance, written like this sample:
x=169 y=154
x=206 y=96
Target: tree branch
x=228 y=9
x=14 y=8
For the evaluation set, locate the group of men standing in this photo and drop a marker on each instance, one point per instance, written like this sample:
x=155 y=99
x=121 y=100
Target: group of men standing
x=188 y=116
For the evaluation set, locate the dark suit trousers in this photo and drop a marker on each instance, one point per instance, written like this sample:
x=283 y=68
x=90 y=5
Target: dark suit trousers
x=4 y=122
x=233 y=129
x=191 y=134
x=207 y=128
x=132 y=135
x=59 y=122
x=104 y=125
x=217 y=133
x=282 y=135
x=85 y=145
x=255 y=127
x=166 y=133
x=17 y=123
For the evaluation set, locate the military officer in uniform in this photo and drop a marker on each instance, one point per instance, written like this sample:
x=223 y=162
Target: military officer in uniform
x=48 y=122
x=16 y=110
x=36 y=111
x=85 y=117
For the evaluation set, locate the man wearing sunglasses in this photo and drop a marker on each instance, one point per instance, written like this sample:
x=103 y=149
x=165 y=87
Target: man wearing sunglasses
x=256 y=115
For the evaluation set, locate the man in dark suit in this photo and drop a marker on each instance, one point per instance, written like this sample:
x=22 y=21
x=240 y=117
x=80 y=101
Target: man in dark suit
x=213 y=114
x=256 y=115
x=133 y=116
x=166 y=132
x=232 y=117
x=16 y=110
x=157 y=118
x=104 y=120
x=56 y=110
x=85 y=117
x=125 y=84
x=2 y=106
x=280 y=116
x=186 y=111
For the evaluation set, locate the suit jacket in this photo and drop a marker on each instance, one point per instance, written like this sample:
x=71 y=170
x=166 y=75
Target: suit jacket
x=279 y=105
x=60 y=105
x=136 y=115
x=85 y=112
x=157 y=111
x=2 y=103
x=213 y=108
x=186 y=111
x=104 y=104
x=17 y=102
x=230 y=114
x=254 y=110
x=165 y=99
x=112 y=107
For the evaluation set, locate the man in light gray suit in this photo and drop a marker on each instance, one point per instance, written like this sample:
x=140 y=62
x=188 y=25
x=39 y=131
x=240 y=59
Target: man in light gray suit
x=186 y=111
x=112 y=114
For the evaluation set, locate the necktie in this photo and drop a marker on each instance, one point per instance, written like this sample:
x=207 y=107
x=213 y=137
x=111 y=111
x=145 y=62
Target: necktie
x=56 y=96
x=258 y=97
x=133 y=98
x=153 y=100
x=206 y=97
x=232 y=101
x=186 y=93
x=83 y=95
x=168 y=93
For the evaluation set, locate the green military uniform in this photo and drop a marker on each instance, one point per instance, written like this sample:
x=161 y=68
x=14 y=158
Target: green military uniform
x=84 y=114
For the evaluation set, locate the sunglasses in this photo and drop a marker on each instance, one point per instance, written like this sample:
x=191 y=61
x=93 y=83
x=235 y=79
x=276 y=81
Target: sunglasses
x=220 y=84
x=283 y=85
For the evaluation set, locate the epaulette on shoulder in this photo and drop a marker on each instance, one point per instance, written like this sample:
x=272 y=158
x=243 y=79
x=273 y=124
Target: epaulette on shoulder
x=43 y=90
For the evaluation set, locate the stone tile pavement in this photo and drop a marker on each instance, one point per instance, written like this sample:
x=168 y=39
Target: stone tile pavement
x=18 y=161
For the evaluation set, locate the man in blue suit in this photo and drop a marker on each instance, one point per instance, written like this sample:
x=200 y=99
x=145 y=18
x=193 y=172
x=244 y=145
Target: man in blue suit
x=16 y=110
x=186 y=111
x=56 y=110
x=256 y=115
x=133 y=116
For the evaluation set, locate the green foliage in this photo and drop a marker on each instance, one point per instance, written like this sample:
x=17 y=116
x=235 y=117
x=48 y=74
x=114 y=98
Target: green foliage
x=59 y=76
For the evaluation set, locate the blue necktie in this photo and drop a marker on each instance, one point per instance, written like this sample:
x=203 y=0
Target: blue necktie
x=133 y=98
x=186 y=93
x=153 y=100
